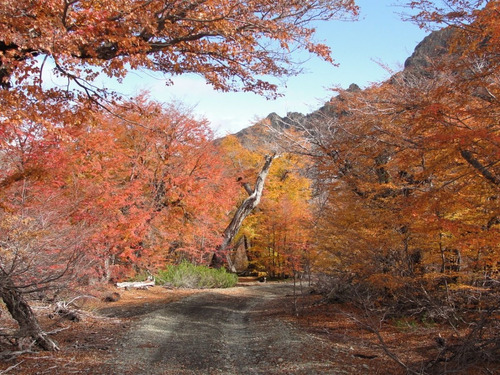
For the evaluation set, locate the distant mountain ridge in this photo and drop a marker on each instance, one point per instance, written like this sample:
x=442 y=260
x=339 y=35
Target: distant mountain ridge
x=430 y=49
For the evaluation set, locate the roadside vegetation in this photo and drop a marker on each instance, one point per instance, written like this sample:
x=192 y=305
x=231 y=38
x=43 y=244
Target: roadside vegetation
x=188 y=275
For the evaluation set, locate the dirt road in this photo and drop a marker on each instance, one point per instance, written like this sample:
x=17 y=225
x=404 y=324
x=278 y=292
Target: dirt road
x=234 y=331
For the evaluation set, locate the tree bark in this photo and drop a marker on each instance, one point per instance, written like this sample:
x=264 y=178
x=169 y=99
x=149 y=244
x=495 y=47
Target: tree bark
x=245 y=209
x=20 y=310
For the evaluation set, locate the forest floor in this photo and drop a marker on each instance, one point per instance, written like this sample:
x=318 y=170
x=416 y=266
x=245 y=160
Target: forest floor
x=254 y=328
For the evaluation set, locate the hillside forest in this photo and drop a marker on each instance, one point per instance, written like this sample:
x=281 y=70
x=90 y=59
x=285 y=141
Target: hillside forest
x=387 y=198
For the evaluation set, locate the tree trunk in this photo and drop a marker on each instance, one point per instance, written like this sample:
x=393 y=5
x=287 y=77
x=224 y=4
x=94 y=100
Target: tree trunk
x=20 y=310
x=485 y=172
x=106 y=277
x=245 y=209
x=443 y=256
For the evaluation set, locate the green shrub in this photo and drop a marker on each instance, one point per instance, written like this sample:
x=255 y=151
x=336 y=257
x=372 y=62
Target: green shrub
x=187 y=275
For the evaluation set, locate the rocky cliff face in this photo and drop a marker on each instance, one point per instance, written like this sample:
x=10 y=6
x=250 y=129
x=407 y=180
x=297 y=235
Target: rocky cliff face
x=430 y=49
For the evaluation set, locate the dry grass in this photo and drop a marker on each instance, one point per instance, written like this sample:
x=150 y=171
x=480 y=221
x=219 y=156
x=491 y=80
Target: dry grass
x=414 y=344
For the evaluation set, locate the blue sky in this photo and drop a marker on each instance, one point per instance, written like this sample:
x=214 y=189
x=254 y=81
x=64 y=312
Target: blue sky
x=378 y=36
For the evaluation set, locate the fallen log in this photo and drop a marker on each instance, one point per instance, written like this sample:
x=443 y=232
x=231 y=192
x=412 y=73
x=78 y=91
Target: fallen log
x=136 y=284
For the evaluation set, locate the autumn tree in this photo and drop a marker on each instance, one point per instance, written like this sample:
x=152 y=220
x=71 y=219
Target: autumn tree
x=276 y=233
x=408 y=169
x=245 y=208
x=41 y=246
x=112 y=197
x=401 y=199
x=411 y=170
x=230 y=44
x=454 y=117
x=282 y=226
x=152 y=183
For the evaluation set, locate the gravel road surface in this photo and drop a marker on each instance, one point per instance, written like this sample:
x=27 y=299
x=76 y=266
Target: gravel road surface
x=232 y=331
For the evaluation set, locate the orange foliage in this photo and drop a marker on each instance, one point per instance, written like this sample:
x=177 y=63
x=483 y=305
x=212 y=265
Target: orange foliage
x=278 y=232
x=232 y=44
x=283 y=223
x=411 y=167
x=143 y=191
x=162 y=185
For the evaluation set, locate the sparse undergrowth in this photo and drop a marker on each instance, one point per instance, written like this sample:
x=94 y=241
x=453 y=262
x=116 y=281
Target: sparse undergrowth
x=187 y=275
x=460 y=322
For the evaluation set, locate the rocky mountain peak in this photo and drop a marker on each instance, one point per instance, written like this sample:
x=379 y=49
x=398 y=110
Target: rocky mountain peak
x=430 y=49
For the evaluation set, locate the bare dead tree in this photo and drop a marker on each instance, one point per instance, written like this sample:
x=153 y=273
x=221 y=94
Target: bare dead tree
x=35 y=255
x=245 y=209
